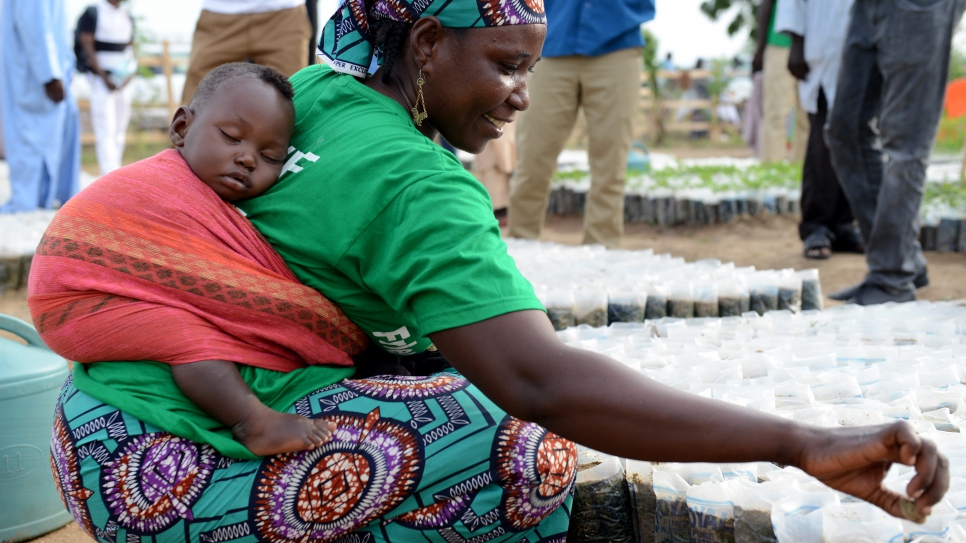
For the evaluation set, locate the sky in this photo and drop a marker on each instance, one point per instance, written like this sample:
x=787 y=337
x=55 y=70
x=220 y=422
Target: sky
x=676 y=26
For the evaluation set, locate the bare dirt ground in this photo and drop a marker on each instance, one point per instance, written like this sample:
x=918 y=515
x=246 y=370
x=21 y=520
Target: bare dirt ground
x=767 y=243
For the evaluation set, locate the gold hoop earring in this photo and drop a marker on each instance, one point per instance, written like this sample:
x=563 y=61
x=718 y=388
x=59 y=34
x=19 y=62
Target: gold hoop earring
x=418 y=117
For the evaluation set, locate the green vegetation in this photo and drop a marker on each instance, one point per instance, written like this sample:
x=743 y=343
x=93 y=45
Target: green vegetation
x=716 y=178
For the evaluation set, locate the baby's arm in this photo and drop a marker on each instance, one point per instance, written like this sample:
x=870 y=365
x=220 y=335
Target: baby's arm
x=217 y=387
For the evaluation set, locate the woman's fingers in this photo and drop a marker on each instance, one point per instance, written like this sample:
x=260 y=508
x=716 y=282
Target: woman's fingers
x=927 y=468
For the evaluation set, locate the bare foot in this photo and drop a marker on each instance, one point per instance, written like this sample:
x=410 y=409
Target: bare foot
x=269 y=432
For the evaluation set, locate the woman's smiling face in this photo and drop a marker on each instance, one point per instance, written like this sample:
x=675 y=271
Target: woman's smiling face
x=477 y=81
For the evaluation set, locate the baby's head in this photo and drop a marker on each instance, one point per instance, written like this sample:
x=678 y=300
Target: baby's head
x=234 y=134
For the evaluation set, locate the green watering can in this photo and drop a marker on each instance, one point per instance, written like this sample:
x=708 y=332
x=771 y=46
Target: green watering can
x=639 y=159
x=30 y=380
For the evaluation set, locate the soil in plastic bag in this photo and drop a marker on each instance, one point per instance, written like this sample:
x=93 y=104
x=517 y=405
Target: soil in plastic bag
x=672 y=523
x=753 y=526
x=729 y=306
x=601 y=512
x=811 y=295
x=642 y=501
x=624 y=313
x=561 y=317
x=705 y=309
x=656 y=307
x=596 y=318
x=680 y=309
x=763 y=301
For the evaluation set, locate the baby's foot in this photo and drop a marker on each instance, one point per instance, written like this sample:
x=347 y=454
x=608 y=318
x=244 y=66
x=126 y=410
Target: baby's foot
x=269 y=432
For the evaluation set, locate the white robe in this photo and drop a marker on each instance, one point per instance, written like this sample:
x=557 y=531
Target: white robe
x=824 y=24
x=41 y=138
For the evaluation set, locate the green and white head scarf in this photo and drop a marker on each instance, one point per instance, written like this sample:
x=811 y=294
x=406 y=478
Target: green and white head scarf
x=346 y=43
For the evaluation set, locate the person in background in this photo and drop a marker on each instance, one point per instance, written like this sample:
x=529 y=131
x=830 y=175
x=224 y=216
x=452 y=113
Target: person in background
x=40 y=121
x=817 y=29
x=275 y=33
x=493 y=168
x=591 y=60
x=312 y=9
x=881 y=130
x=668 y=64
x=771 y=59
x=106 y=33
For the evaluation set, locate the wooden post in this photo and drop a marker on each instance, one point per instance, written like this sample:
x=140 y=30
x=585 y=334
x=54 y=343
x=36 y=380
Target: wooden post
x=962 y=170
x=168 y=73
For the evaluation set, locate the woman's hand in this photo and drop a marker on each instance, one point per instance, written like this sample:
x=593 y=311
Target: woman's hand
x=856 y=460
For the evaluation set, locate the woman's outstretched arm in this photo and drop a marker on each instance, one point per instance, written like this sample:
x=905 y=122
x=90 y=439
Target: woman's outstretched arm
x=517 y=361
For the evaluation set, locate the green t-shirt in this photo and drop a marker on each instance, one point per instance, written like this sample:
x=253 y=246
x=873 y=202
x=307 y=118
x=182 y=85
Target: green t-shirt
x=382 y=221
x=777 y=39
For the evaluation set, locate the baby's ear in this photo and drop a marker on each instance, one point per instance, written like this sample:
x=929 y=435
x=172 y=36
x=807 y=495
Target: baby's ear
x=179 y=125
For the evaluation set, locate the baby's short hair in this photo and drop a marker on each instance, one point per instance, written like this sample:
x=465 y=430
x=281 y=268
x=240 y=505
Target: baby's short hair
x=216 y=78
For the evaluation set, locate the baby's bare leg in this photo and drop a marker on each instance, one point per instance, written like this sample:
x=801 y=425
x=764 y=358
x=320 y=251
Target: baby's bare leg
x=218 y=389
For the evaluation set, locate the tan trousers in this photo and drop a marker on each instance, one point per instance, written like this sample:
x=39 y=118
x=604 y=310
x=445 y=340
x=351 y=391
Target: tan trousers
x=495 y=164
x=608 y=89
x=781 y=100
x=276 y=38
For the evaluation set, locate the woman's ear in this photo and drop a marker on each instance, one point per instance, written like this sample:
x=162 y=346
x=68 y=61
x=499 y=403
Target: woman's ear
x=179 y=125
x=424 y=42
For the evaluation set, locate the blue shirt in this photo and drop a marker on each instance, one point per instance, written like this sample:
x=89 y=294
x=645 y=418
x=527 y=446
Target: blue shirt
x=594 y=27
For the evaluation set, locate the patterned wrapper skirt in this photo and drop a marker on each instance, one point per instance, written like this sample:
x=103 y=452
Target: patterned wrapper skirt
x=413 y=459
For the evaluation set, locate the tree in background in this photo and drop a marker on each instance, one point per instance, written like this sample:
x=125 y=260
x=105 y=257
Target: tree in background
x=745 y=14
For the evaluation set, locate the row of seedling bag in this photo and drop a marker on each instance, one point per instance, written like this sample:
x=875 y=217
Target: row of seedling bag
x=700 y=296
x=630 y=501
x=665 y=207
x=846 y=366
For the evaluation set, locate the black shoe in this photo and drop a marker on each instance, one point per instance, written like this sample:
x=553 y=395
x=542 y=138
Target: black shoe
x=874 y=295
x=847 y=292
x=922 y=279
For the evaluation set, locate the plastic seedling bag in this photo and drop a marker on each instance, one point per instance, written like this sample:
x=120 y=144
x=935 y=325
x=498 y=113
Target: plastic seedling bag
x=733 y=297
x=640 y=486
x=753 y=504
x=671 y=521
x=790 y=291
x=626 y=306
x=591 y=307
x=798 y=518
x=859 y=522
x=680 y=303
x=560 y=308
x=711 y=510
x=656 y=302
x=811 y=290
x=600 y=510
x=705 y=300
x=763 y=289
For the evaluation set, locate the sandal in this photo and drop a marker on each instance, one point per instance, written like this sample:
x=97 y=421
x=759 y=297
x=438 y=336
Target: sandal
x=818 y=246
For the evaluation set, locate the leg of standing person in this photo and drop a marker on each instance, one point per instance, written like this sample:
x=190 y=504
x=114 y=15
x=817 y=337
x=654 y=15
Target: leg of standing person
x=67 y=181
x=219 y=38
x=122 y=103
x=542 y=132
x=104 y=120
x=913 y=45
x=802 y=132
x=610 y=92
x=779 y=92
x=825 y=210
x=312 y=9
x=279 y=39
x=851 y=131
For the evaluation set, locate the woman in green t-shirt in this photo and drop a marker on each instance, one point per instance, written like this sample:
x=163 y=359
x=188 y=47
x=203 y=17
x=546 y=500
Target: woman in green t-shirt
x=392 y=229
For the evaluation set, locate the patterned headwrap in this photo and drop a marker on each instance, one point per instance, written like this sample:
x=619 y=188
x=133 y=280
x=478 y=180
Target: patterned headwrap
x=346 y=42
